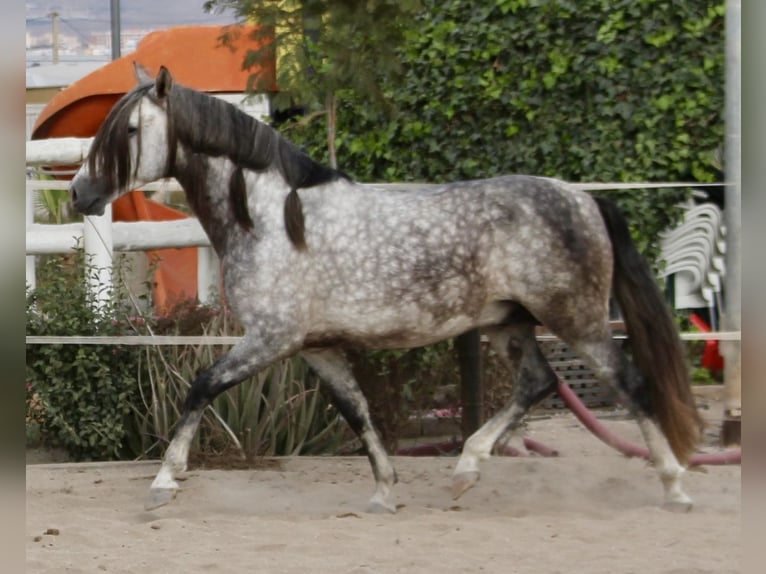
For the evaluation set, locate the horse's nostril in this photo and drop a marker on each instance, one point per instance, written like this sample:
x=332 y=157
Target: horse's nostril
x=73 y=193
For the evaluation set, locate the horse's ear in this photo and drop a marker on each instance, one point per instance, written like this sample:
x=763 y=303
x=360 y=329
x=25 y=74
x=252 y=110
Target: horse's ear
x=142 y=74
x=163 y=82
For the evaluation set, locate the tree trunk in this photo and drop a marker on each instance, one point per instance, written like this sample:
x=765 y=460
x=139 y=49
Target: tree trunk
x=331 y=106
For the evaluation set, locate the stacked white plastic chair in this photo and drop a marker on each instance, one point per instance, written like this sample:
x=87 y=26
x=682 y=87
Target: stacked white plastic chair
x=693 y=253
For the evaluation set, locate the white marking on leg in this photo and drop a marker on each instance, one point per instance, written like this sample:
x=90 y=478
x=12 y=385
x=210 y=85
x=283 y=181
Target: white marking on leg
x=479 y=444
x=666 y=463
x=383 y=498
x=165 y=479
x=177 y=454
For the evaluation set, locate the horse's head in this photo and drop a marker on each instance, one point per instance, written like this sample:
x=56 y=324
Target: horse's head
x=131 y=146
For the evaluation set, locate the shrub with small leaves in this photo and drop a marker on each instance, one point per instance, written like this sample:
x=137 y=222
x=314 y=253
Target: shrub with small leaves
x=80 y=395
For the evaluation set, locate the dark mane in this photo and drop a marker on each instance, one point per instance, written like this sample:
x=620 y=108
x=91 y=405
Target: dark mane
x=212 y=127
x=109 y=155
x=209 y=126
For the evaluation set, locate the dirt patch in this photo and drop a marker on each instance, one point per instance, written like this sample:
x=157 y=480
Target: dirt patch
x=233 y=460
x=589 y=510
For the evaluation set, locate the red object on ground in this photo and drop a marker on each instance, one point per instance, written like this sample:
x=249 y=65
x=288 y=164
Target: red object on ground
x=711 y=357
x=454 y=446
x=195 y=57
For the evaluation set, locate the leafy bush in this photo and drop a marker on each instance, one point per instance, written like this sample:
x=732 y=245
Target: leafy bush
x=102 y=402
x=79 y=395
x=280 y=411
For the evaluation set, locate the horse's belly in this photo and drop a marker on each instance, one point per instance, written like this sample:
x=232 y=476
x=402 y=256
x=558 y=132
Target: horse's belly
x=401 y=327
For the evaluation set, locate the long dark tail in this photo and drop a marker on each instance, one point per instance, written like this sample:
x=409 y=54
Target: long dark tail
x=658 y=352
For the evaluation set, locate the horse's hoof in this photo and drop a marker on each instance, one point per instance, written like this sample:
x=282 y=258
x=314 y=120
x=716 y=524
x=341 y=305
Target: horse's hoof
x=380 y=507
x=462 y=482
x=678 y=506
x=159 y=497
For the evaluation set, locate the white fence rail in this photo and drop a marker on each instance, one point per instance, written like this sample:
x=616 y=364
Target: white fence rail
x=126 y=236
x=100 y=237
x=196 y=340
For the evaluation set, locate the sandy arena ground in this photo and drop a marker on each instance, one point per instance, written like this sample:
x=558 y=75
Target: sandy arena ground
x=590 y=510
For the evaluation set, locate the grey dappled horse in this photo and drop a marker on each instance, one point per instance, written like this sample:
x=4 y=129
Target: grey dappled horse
x=313 y=261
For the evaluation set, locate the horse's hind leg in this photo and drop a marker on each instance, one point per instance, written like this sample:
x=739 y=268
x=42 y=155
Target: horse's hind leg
x=612 y=365
x=532 y=380
x=335 y=371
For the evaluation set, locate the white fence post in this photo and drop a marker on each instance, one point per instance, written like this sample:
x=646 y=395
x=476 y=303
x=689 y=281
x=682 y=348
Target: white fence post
x=731 y=432
x=99 y=249
x=208 y=276
x=31 y=278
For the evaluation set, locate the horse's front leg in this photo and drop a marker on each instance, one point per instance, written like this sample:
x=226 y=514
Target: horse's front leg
x=335 y=371
x=247 y=357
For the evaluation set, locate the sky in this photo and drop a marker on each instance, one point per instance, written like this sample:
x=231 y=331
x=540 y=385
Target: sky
x=83 y=16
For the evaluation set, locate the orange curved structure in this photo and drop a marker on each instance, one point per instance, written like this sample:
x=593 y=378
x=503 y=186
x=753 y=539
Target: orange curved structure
x=197 y=59
x=193 y=54
x=175 y=270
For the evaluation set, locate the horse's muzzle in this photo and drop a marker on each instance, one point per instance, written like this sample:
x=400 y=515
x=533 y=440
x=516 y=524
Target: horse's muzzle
x=84 y=200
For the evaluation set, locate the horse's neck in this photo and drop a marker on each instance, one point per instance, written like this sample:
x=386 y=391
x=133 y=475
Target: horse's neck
x=207 y=184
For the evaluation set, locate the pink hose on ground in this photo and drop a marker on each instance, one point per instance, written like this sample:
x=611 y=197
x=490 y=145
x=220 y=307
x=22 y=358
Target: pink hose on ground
x=733 y=456
x=431 y=449
x=454 y=446
x=586 y=417
x=539 y=448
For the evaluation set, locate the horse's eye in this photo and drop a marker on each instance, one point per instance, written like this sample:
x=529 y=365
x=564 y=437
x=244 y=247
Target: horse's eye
x=132 y=130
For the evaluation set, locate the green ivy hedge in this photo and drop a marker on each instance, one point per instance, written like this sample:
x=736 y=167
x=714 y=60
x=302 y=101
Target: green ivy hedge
x=594 y=90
